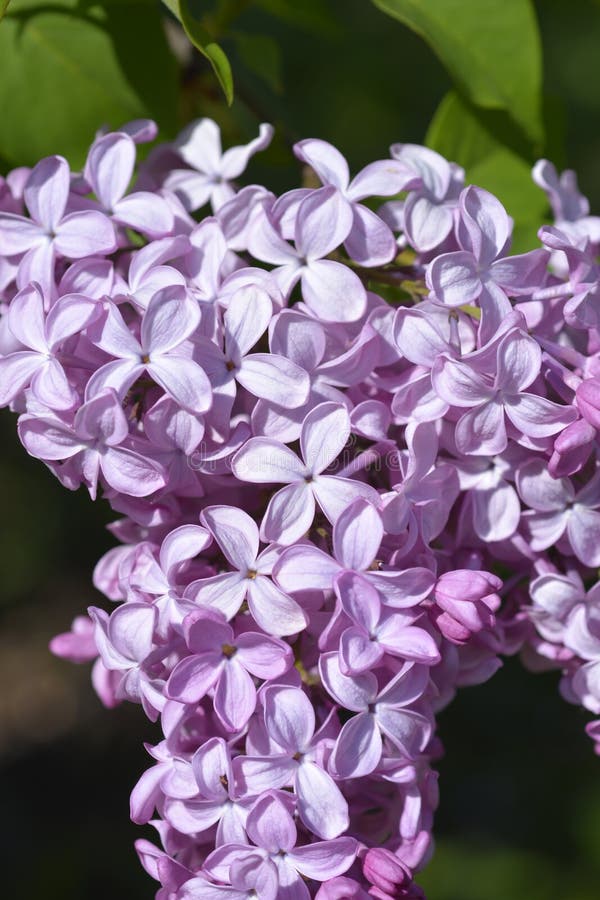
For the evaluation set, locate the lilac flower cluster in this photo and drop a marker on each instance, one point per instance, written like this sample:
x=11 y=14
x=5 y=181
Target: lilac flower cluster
x=338 y=432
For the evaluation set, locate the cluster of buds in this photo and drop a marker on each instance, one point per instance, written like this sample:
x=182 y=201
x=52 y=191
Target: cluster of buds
x=353 y=443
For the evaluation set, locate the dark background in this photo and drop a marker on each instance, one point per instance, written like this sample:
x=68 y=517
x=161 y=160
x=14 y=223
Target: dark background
x=520 y=811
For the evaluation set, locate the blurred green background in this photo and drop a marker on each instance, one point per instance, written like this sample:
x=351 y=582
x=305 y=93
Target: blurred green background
x=520 y=786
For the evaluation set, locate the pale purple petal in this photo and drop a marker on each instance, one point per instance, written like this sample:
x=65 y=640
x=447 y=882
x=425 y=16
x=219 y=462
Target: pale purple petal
x=518 y=362
x=304 y=567
x=236 y=534
x=144 y=212
x=266 y=773
x=246 y=318
x=266 y=244
x=235 y=696
x=405 y=588
x=370 y=242
x=522 y=273
x=225 y=592
x=118 y=375
x=536 y=416
x=273 y=610
x=145 y=795
x=545 y=529
x=458 y=383
x=356 y=693
x=583 y=529
x=193 y=189
x=481 y=430
x=180 y=545
x=263 y=461
x=235 y=159
x=496 y=512
x=170 y=318
x=581 y=634
x=418 y=337
x=85 y=234
x=324 y=859
x=540 y=491
x=586 y=682
x=113 y=336
x=322 y=807
x=47 y=190
x=357 y=535
x=109 y=167
x=69 y=315
x=102 y=421
x=131 y=630
x=299 y=338
x=193 y=816
x=358 y=652
x=265 y=657
x=274 y=378
x=50 y=386
x=184 y=381
x=405 y=687
x=130 y=473
x=289 y=515
x=16 y=372
x=484 y=227
x=38 y=265
x=555 y=594
x=335 y=494
x=325 y=431
x=454 y=278
x=271 y=826
x=192 y=678
x=200 y=145
x=382 y=178
x=26 y=318
x=17 y=234
x=408 y=642
x=408 y=730
x=357 y=751
x=48 y=439
x=325 y=160
x=359 y=599
x=426 y=223
x=289 y=718
x=323 y=222
x=333 y=291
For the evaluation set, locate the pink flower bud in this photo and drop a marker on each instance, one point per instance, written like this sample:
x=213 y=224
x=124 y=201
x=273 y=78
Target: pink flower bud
x=386 y=873
x=587 y=398
x=468 y=600
x=572 y=448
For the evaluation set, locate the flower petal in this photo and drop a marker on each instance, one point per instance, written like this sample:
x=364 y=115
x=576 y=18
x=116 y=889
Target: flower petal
x=272 y=610
x=289 y=515
x=357 y=751
x=274 y=378
x=263 y=461
x=235 y=696
x=333 y=291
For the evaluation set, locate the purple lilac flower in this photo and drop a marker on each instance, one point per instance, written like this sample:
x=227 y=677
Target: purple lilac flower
x=238 y=379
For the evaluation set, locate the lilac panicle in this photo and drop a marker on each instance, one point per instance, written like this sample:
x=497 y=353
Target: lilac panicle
x=319 y=489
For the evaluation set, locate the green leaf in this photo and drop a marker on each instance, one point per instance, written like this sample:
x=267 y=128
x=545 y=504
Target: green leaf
x=203 y=42
x=458 y=132
x=262 y=56
x=65 y=73
x=491 y=49
x=310 y=15
x=3 y=8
